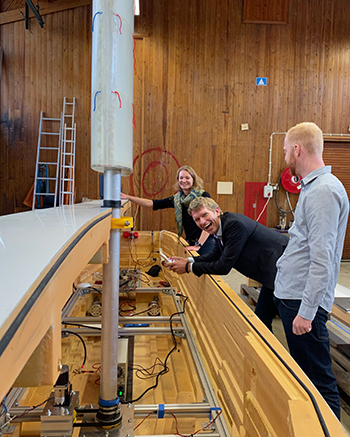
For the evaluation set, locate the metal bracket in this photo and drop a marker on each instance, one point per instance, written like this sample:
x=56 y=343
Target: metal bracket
x=35 y=10
x=180 y=334
x=8 y=429
x=122 y=223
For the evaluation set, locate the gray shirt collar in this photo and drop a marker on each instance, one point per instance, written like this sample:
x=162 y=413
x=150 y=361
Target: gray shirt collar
x=314 y=174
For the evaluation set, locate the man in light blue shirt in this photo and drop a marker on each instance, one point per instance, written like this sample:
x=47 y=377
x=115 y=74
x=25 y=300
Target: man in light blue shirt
x=308 y=270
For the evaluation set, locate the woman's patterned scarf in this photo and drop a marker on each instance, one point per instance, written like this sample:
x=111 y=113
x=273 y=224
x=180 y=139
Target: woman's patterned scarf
x=179 y=200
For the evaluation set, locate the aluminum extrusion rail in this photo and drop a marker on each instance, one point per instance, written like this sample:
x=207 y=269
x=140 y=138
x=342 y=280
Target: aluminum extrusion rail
x=203 y=376
x=179 y=330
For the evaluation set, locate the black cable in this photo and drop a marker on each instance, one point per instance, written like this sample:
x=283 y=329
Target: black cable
x=278 y=207
x=81 y=339
x=131 y=307
x=143 y=373
x=165 y=370
x=126 y=282
x=138 y=260
x=81 y=325
x=34 y=407
x=95 y=289
x=140 y=312
x=313 y=400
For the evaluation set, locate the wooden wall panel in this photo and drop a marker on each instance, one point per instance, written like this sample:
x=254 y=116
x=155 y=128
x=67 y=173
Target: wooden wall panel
x=40 y=68
x=195 y=84
x=211 y=68
x=265 y=11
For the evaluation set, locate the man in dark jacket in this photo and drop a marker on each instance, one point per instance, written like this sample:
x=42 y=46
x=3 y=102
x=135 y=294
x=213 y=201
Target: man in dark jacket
x=243 y=244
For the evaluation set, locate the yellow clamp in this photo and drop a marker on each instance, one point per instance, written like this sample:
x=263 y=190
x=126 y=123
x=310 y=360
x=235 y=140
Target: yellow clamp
x=122 y=223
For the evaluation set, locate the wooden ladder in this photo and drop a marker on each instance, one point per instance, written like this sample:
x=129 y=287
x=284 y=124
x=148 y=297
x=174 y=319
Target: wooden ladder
x=47 y=160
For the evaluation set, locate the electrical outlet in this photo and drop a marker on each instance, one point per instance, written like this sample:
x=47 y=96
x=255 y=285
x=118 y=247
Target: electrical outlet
x=268 y=191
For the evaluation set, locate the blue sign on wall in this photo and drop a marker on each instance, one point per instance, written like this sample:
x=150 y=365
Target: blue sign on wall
x=261 y=81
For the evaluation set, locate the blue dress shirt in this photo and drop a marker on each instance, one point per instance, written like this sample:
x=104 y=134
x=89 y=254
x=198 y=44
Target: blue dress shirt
x=309 y=268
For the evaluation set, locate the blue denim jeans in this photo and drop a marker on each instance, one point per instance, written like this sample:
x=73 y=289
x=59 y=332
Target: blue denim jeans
x=266 y=308
x=312 y=350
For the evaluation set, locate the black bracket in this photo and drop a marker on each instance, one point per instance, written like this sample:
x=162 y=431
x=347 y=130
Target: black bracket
x=35 y=10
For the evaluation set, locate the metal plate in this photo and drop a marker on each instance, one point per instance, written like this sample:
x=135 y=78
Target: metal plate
x=9 y=429
x=125 y=429
x=343 y=302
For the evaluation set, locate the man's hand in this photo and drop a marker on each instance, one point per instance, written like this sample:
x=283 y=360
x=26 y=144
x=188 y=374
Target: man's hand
x=195 y=248
x=178 y=265
x=301 y=326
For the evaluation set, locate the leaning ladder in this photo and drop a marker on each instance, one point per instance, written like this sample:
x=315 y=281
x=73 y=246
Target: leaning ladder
x=67 y=167
x=47 y=158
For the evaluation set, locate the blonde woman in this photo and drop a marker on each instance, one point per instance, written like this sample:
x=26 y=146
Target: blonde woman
x=189 y=186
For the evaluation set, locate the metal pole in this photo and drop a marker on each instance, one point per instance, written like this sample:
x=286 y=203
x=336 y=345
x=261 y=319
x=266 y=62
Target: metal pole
x=109 y=413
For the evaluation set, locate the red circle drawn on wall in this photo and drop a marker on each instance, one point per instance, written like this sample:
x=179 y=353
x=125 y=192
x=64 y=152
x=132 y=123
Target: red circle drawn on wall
x=151 y=166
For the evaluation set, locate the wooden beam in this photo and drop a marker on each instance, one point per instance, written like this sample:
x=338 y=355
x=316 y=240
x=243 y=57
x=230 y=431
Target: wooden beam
x=246 y=364
x=32 y=322
x=18 y=14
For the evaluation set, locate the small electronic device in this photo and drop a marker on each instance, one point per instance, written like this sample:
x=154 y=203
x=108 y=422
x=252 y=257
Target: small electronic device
x=123 y=344
x=164 y=258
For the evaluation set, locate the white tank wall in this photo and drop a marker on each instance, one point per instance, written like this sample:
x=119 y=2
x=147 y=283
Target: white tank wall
x=112 y=73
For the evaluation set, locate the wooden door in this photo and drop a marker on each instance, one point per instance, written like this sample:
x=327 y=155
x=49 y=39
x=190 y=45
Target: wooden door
x=337 y=154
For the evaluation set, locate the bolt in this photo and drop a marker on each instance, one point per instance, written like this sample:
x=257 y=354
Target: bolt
x=129 y=405
x=129 y=420
x=49 y=412
x=127 y=223
x=16 y=404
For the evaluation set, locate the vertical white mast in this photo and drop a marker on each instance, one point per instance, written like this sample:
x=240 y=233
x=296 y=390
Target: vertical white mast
x=112 y=153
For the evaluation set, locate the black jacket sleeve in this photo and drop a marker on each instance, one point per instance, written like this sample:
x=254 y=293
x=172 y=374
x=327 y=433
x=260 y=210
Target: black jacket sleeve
x=220 y=263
